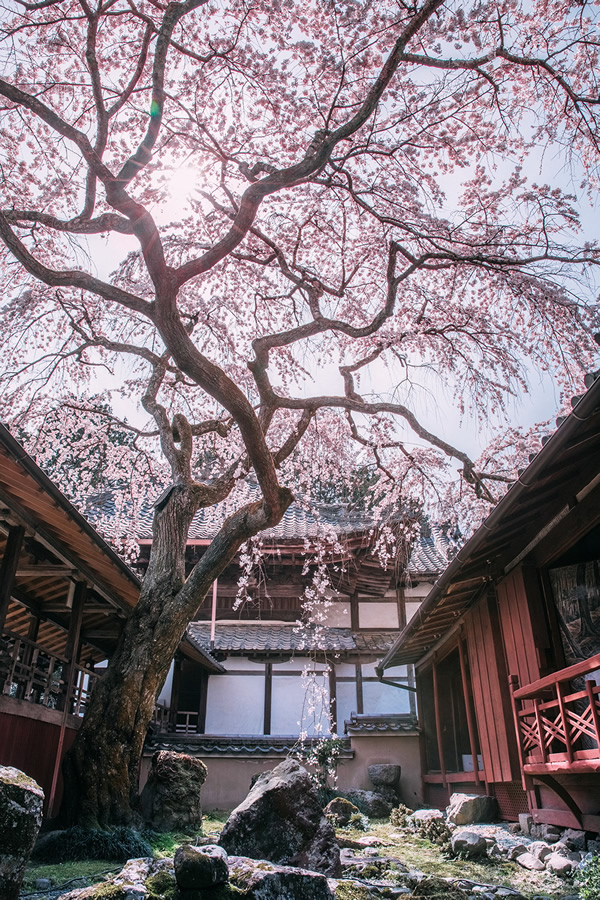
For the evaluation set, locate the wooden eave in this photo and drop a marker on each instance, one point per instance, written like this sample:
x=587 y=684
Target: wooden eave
x=545 y=491
x=35 y=502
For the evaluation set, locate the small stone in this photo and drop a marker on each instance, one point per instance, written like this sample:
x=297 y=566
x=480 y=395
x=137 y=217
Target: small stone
x=559 y=865
x=574 y=839
x=517 y=851
x=551 y=833
x=468 y=843
x=508 y=894
x=528 y=861
x=540 y=850
x=200 y=867
x=43 y=884
x=525 y=822
x=593 y=846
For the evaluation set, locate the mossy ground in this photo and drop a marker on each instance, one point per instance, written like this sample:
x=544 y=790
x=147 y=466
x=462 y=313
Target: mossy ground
x=415 y=852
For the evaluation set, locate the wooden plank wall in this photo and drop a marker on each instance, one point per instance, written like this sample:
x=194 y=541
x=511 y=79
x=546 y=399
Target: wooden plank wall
x=517 y=629
x=30 y=745
x=490 y=692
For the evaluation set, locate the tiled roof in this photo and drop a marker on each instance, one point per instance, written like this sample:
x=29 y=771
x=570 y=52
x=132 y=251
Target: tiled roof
x=390 y=724
x=251 y=638
x=238 y=745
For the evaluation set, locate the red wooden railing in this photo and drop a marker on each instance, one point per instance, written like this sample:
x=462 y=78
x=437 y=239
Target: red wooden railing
x=557 y=720
x=29 y=672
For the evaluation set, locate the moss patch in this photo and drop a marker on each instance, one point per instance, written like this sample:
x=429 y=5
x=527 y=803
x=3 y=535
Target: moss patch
x=161 y=886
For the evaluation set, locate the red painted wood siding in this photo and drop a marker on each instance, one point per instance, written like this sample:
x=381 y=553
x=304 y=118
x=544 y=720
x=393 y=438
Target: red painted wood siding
x=517 y=627
x=30 y=745
x=490 y=692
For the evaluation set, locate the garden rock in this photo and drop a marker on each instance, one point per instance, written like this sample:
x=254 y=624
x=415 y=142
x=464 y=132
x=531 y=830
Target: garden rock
x=559 y=865
x=529 y=861
x=575 y=840
x=340 y=811
x=371 y=804
x=170 y=800
x=466 y=809
x=200 y=867
x=423 y=816
x=281 y=820
x=262 y=880
x=137 y=879
x=540 y=850
x=525 y=822
x=21 y=802
x=385 y=775
x=468 y=843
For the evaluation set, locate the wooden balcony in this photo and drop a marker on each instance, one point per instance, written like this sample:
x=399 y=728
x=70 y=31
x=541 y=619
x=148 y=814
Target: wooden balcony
x=557 y=721
x=30 y=673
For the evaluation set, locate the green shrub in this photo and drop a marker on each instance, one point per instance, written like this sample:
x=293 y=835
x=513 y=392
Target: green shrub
x=589 y=880
x=119 y=844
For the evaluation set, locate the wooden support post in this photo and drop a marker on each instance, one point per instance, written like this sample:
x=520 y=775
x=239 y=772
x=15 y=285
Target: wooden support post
x=438 y=724
x=268 y=697
x=175 y=685
x=589 y=687
x=564 y=719
x=466 y=686
x=513 y=682
x=354 y=612
x=72 y=645
x=201 y=727
x=71 y=655
x=8 y=568
x=359 y=690
x=332 y=699
x=540 y=729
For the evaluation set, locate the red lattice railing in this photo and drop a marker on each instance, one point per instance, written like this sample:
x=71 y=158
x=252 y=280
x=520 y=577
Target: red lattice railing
x=558 y=720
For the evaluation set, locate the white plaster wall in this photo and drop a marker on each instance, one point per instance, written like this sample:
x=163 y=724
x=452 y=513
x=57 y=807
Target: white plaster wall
x=235 y=704
x=378 y=615
x=293 y=709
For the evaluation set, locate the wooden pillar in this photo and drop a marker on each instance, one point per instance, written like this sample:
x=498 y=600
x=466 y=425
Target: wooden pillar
x=72 y=646
x=359 y=690
x=268 y=698
x=401 y=603
x=8 y=568
x=175 y=686
x=332 y=698
x=466 y=686
x=201 y=729
x=438 y=724
x=354 y=612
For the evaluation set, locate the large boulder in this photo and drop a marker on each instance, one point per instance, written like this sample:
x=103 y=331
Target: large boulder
x=281 y=820
x=21 y=802
x=467 y=809
x=170 y=800
x=385 y=775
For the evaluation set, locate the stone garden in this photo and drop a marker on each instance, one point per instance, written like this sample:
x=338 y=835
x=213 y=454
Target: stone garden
x=280 y=844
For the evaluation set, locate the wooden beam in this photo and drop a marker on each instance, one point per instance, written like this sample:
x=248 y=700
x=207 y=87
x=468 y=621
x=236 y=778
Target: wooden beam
x=8 y=568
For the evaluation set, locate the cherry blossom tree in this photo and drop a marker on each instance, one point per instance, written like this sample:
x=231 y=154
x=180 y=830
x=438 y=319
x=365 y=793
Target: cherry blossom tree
x=268 y=221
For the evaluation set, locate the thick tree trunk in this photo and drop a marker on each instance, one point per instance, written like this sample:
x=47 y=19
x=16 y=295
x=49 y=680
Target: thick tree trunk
x=101 y=769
